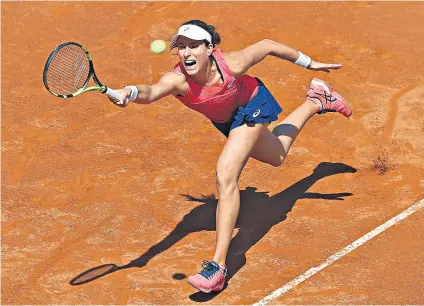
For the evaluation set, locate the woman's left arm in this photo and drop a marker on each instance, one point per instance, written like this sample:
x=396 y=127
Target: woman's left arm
x=240 y=61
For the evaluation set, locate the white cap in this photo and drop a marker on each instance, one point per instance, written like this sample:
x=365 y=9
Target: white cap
x=190 y=31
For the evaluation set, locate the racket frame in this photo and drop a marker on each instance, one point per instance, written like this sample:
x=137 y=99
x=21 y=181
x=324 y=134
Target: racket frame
x=100 y=87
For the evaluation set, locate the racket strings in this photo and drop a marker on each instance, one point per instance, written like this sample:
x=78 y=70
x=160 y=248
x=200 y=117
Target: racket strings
x=68 y=70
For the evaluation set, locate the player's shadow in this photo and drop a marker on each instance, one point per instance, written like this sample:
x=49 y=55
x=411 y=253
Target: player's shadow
x=259 y=212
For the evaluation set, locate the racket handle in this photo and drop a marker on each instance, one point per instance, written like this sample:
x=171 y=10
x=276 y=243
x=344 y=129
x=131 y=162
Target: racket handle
x=114 y=95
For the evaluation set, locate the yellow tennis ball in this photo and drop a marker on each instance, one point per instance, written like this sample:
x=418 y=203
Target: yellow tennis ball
x=158 y=46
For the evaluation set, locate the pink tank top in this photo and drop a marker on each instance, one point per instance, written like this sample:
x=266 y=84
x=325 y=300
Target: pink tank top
x=218 y=102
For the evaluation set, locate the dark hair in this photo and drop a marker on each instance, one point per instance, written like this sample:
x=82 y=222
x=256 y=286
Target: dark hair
x=216 y=39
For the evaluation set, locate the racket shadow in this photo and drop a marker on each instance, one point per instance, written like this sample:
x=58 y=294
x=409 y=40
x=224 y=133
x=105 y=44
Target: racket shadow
x=93 y=274
x=259 y=212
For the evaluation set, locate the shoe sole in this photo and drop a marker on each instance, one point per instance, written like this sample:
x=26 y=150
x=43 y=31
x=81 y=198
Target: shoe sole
x=331 y=91
x=207 y=290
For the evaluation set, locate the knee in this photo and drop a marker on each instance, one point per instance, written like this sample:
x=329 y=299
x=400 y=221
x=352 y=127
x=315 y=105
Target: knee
x=225 y=180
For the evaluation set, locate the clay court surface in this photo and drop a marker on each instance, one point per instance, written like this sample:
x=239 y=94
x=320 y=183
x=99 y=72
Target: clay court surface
x=86 y=183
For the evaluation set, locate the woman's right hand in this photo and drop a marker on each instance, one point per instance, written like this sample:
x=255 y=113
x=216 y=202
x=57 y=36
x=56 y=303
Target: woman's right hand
x=124 y=97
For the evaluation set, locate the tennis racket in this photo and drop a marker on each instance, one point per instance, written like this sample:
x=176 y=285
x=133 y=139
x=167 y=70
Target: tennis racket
x=68 y=70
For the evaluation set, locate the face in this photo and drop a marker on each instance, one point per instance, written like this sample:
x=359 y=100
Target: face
x=193 y=54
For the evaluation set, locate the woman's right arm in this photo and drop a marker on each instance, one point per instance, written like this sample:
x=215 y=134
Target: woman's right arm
x=170 y=83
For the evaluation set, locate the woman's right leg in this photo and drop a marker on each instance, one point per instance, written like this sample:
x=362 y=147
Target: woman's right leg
x=230 y=163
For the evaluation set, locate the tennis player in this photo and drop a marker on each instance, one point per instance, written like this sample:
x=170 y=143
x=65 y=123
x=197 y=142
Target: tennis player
x=240 y=106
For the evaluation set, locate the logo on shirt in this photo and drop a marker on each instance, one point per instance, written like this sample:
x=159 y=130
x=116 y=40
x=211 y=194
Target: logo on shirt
x=231 y=82
x=256 y=114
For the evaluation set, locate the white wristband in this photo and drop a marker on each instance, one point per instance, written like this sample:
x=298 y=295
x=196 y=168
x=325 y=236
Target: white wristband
x=303 y=60
x=134 y=93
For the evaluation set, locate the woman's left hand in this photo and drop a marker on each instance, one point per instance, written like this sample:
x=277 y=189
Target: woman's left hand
x=317 y=66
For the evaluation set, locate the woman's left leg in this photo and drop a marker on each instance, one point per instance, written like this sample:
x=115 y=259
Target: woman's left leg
x=273 y=147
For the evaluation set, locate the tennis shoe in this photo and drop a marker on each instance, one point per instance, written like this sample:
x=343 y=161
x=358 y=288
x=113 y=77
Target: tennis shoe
x=322 y=94
x=211 y=278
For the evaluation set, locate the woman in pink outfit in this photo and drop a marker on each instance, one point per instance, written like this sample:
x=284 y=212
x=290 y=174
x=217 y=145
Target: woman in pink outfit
x=215 y=84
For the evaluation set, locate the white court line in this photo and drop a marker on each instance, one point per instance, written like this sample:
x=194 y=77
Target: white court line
x=378 y=230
